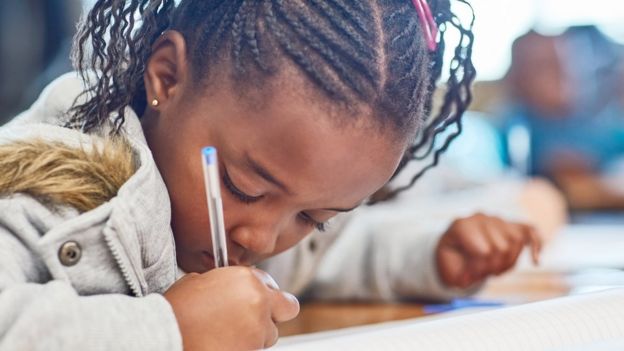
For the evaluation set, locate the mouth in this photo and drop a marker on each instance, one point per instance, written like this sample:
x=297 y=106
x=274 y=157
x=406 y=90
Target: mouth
x=209 y=260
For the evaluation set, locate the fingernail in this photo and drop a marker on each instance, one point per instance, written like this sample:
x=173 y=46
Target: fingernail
x=266 y=279
x=291 y=297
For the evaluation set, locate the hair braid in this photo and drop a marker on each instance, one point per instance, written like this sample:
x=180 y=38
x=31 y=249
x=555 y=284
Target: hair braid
x=456 y=100
x=351 y=33
x=369 y=52
x=251 y=31
x=320 y=77
x=328 y=48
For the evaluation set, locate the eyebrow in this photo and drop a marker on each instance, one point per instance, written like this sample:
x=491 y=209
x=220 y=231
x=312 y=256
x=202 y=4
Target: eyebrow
x=266 y=175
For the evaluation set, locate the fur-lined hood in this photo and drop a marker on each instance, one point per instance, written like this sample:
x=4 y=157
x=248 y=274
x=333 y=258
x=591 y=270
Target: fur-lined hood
x=57 y=174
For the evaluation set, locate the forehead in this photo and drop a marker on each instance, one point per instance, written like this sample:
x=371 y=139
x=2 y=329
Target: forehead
x=323 y=151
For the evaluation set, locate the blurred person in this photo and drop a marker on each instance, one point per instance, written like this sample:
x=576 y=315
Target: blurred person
x=562 y=92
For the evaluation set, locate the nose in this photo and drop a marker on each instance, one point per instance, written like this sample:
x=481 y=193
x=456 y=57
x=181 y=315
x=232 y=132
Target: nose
x=258 y=240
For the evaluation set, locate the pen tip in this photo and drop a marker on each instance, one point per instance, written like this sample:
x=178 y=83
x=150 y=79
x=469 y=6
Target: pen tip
x=210 y=154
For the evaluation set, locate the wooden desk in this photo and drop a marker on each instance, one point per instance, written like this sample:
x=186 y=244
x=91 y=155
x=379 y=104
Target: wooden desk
x=320 y=316
x=580 y=258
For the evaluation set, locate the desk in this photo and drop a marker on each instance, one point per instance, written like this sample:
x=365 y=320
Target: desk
x=595 y=270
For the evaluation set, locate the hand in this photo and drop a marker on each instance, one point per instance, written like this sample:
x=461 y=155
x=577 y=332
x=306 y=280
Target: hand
x=478 y=246
x=232 y=308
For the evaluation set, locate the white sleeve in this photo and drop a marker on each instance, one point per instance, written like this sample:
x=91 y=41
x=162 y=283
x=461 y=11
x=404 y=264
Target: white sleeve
x=387 y=251
x=382 y=255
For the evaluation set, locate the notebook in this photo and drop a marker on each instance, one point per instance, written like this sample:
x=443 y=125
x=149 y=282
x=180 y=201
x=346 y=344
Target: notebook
x=577 y=322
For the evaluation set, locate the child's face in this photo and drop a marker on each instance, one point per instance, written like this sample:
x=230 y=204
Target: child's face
x=285 y=161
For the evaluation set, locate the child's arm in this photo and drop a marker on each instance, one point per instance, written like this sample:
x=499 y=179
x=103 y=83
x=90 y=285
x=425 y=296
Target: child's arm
x=385 y=256
x=235 y=308
x=378 y=259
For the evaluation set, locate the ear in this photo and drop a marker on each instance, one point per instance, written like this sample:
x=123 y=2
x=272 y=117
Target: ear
x=167 y=68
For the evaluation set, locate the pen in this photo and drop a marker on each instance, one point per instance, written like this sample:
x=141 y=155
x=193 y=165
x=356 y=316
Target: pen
x=215 y=206
x=459 y=304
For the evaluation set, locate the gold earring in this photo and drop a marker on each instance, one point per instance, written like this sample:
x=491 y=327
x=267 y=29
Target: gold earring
x=155 y=102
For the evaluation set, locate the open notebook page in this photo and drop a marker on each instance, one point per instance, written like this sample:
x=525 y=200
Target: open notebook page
x=556 y=324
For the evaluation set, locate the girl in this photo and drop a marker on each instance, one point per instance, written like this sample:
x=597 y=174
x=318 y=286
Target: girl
x=313 y=107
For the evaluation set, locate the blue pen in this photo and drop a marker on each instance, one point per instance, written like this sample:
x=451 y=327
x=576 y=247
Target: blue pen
x=459 y=303
x=215 y=206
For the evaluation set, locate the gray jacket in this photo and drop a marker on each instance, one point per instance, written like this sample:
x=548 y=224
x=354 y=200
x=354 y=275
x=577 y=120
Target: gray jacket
x=88 y=281
x=93 y=280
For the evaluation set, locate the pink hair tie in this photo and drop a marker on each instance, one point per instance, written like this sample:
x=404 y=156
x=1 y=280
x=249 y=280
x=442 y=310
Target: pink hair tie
x=428 y=24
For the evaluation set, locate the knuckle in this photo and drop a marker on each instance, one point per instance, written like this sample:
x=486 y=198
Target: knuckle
x=486 y=251
x=461 y=225
x=257 y=299
x=499 y=221
x=479 y=215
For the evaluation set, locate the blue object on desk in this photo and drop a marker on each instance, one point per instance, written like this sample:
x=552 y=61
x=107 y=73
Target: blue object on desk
x=456 y=304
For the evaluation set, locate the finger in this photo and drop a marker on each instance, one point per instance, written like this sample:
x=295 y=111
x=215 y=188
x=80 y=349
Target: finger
x=284 y=306
x=265 y=278
x=495 y=232
x=516 y=232
x=272 y=335
x=470 y=239
x=474 y=274
x=516 y=238
x=478 y=267
x=513 y=256
x=465 y=280
x=535 y=241
x=497 y=229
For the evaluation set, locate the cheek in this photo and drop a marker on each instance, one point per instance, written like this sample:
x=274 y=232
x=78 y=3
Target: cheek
x=189 y=221
x=292 y=237
x=259 y=218
x=188 y=201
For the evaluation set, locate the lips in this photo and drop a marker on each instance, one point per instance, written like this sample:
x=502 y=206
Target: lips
x=210 y=261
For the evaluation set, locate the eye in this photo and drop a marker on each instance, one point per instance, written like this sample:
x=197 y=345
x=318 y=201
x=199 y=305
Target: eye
x=237 y=193
x=307 y=220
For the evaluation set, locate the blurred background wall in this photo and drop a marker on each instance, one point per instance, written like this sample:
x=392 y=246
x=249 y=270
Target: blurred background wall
x=35 y=41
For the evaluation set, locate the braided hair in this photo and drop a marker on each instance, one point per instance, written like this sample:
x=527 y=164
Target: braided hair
x=369 y=52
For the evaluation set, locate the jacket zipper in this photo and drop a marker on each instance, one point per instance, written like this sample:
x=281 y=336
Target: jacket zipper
x=136 y=290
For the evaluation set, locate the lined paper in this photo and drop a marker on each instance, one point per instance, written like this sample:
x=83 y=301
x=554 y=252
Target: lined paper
x=557 y=324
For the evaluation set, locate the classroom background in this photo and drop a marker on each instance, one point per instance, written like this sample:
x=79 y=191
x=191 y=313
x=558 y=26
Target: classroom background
x=548 y=101
x=543 y=140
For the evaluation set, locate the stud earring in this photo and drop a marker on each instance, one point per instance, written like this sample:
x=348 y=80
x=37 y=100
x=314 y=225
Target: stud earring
x=155 y=102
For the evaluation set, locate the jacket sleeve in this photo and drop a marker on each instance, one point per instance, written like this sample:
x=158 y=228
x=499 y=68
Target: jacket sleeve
x=387 y=251
x=382 y=257
x=37 y=314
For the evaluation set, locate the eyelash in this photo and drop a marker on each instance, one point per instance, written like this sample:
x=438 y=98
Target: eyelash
x=229 y=185
x=305 y=218
x=246 y=199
